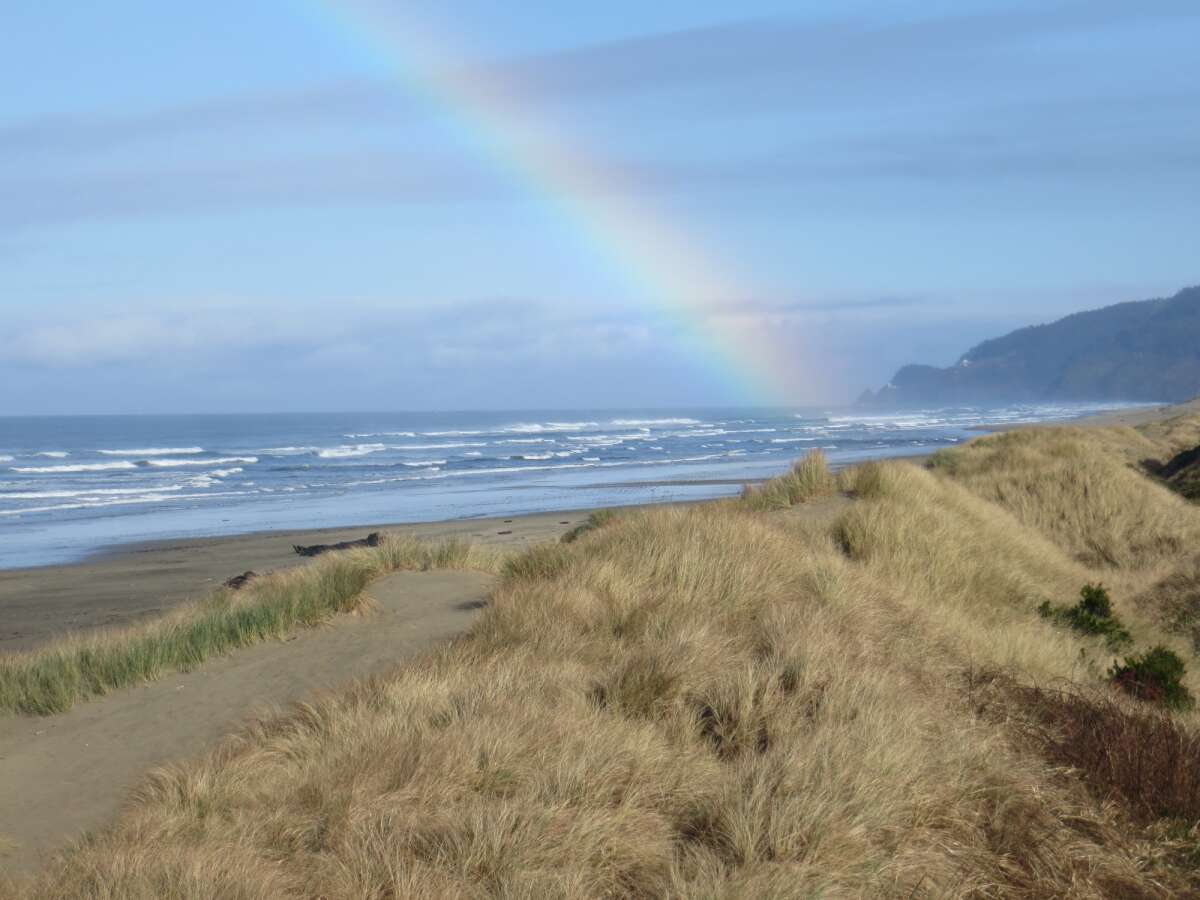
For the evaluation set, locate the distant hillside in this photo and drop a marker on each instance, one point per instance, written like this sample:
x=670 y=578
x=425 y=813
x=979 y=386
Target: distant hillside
x=1148 y=350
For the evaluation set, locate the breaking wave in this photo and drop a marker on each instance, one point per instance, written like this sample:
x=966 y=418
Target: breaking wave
x=153 y=451
x=79 y=467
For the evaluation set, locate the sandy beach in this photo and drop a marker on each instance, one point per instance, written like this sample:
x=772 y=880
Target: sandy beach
x=129 y=583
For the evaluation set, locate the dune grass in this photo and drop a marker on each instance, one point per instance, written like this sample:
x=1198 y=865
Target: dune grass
x=53 y=678
x=1079 y=488
x=697 y=702
x=1174 y=600
x=808 y=478
x=597 y=519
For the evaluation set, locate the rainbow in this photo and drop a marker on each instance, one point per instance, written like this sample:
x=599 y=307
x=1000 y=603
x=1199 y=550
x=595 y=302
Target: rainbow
x=656 y=258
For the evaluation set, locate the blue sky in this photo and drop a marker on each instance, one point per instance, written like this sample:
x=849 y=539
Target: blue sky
x=230 y=206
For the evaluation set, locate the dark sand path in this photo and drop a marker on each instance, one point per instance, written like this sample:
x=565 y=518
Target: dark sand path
x=67 y=773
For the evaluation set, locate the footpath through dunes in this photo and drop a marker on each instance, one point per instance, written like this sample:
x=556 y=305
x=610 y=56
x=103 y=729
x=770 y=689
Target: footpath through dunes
x=65 y=774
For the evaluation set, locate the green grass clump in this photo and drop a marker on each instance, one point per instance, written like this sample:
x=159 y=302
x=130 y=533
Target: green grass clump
x=945 y=460
x=1155 y=676
x=808 y=478
x=54 y=678
x=597 y=519
x=1093 y=615
x=539 y=562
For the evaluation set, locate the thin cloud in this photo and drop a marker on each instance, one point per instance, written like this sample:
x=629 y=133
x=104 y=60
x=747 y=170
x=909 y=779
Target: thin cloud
x=382 y=179
x=806 y=61
x=272 y=332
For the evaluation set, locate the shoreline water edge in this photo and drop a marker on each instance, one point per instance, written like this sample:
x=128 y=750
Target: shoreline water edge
x=79 y=488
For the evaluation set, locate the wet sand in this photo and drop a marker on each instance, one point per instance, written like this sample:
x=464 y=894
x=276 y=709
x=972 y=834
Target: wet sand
x=137 y=581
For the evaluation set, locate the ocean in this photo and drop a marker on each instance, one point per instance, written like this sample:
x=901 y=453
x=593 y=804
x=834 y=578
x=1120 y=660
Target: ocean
x=72 y=486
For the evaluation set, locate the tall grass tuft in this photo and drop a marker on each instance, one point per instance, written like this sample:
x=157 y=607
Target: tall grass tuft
x=808 y=478
x=52 y=679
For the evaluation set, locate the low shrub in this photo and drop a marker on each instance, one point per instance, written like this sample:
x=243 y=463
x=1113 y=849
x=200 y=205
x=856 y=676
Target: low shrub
x=1145 y=760
x=1155 y=676
x=1092 y=615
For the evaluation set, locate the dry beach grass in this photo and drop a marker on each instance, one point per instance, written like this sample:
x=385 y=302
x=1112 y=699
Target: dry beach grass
x=737 y=699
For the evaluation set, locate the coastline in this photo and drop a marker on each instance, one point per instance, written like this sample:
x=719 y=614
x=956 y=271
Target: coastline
x=1132 y=418
x=73 y=770
x=122 y=584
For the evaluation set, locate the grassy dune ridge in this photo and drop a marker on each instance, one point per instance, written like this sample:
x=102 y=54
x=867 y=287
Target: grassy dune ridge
x=1075 y=487
x=54 y=678
x=734 y=699
x=1084 y=490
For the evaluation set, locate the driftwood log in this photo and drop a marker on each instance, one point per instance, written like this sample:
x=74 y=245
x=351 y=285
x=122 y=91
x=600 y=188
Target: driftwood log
x=237 y=582
x=371 y=540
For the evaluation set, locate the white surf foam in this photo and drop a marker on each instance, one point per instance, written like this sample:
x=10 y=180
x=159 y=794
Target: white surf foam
x=651 y=422
x=153 y=451
x=447 y=446
x=609 y=439
x=123 y=501
x=540 y=427
x=175 y=463
x=92 y=492
x=346 y=452
x=55 y=454
x=80 y=467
